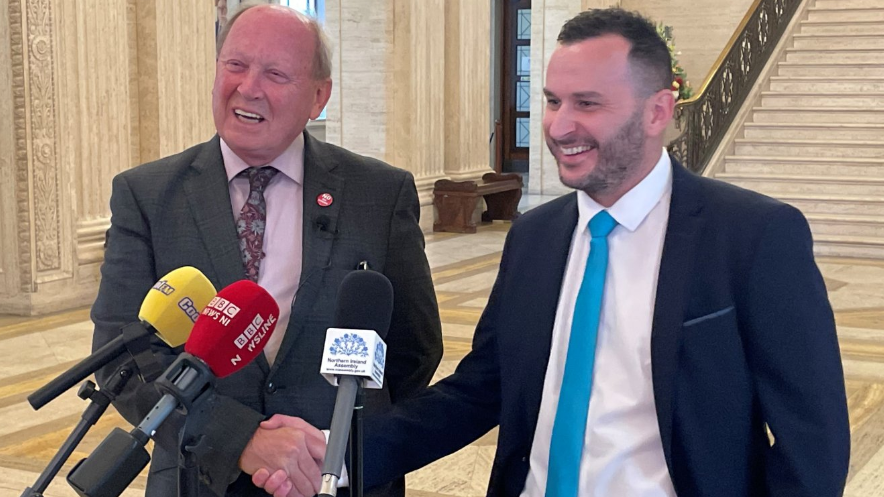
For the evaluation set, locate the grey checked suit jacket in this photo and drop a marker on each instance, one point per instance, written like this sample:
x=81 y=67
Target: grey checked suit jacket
x=176 y=212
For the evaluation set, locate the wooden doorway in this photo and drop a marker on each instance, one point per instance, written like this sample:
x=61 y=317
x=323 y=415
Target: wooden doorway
x=515 y=85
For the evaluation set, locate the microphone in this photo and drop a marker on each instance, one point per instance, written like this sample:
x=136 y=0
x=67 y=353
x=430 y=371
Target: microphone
x=354 y=355
x=169 y=311
x=228 y=334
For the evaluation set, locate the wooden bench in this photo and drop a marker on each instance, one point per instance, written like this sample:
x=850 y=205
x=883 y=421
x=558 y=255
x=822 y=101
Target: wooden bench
x=456 y=201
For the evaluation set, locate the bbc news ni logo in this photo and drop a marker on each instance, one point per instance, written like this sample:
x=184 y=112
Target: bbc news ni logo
x=221 y=310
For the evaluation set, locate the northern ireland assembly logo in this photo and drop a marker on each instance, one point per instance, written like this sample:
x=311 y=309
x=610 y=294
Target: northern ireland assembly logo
x=349 y=345
x=380 y=355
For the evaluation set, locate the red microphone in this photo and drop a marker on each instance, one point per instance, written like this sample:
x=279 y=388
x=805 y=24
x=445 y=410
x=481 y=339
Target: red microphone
x=233 y=328
x=228 y=334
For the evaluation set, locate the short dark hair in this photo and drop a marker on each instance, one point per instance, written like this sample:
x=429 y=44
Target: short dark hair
x=649 y=55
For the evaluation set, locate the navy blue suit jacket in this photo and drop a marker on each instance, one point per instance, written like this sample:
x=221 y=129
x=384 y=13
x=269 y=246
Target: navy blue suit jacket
x=743 y=338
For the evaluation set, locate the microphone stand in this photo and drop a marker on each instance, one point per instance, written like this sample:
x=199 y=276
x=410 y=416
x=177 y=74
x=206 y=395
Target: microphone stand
x=188 y=472
x=356 y=489
x=99 y=401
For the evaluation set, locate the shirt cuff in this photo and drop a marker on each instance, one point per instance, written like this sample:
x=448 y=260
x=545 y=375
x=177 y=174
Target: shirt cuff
x=344 y=480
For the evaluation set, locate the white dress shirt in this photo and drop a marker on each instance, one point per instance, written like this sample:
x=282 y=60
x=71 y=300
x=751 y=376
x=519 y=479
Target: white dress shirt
x=280 y=270
x=622 y=450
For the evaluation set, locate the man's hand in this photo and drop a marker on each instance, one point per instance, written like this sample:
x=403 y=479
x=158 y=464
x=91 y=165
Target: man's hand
x=292 y=449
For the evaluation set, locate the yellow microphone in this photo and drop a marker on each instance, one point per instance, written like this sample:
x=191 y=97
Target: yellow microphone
x=173 y=304
x=168 y=311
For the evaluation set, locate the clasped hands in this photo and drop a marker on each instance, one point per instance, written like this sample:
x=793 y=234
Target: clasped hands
x=284 y=457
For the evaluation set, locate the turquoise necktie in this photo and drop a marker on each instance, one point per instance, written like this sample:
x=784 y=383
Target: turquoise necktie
x=569 y=428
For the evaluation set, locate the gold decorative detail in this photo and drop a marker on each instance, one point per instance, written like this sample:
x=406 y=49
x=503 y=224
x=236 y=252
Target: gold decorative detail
x=704 y=118
x=723 y=55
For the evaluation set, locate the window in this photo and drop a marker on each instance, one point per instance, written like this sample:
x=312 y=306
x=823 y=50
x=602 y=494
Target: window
x=310 y=7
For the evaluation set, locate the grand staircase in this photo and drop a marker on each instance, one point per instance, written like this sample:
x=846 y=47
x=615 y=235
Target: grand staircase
x=816 y=138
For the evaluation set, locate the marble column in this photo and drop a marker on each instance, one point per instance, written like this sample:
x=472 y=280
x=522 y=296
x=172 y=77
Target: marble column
x=416 y=130
x=90 y=89
x=467 y=89
x=412 y=86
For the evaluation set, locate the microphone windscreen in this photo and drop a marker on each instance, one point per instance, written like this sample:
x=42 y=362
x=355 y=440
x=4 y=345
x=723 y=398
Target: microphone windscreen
x=174 y=303
x=233 y=328
x=365 y=302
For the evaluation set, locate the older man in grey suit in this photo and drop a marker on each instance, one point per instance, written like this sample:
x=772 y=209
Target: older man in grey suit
x=326 y=210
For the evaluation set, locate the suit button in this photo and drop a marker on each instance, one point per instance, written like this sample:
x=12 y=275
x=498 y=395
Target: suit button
x=271 y=388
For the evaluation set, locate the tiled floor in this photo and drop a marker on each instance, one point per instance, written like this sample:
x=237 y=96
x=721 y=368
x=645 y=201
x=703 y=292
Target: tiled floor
x=464 y=267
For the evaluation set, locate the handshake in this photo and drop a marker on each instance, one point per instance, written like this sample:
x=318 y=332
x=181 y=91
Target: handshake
x=284 y=457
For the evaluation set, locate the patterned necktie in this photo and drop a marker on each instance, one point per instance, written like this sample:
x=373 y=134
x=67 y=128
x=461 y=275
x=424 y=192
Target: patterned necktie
x=252 y=219
x=569 y=429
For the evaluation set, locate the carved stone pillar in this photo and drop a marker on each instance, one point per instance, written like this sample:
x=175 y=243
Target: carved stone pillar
x=90 y=89
x=37 y=235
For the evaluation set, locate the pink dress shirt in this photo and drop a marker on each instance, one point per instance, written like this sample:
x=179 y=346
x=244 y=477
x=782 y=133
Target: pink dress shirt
x=280 y=271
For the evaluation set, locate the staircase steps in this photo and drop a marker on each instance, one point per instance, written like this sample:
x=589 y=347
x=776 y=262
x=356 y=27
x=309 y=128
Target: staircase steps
x=834 y=55
x=819 y=99
x=833 y=115
x=774 y=184
x=810 y=148
x=798 y=84
x=862 y=27
x=847 y=4
x=833 y=69
x=810 y=166
x=838 y=40
x=850 y=14
x=849 y=205
x=814 y=131
x=815 y=138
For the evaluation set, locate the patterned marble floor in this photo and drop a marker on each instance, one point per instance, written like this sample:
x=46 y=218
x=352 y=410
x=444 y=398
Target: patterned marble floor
x=464 y=268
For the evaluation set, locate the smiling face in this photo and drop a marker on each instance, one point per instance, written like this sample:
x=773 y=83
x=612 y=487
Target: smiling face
x=264 y=91
x=604 y=135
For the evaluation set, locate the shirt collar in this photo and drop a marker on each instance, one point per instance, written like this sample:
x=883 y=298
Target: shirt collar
x=633 y=207
x=290 y=162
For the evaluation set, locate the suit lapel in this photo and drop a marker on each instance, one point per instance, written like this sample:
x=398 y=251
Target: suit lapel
x=320 y=223
x=548 y=253
x=214 y=219
x=679 y=252
x=319 y=232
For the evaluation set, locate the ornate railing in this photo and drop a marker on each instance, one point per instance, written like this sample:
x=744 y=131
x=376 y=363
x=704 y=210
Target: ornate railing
x=705 y=118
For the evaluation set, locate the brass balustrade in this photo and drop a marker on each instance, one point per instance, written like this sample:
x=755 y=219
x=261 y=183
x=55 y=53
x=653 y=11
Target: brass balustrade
x=705 y=118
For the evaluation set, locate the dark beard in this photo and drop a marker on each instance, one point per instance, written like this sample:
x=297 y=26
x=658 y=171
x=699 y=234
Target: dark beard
x=617 y=157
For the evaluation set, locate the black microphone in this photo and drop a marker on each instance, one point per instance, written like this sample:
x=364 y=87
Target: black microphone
x=364 y=302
